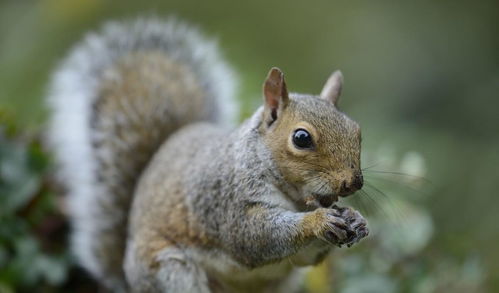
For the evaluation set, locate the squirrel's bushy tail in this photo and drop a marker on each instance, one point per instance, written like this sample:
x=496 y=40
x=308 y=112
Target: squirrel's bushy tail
x=117 y=96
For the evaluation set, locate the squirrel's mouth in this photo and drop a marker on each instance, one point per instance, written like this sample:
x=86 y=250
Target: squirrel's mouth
x=325 y=200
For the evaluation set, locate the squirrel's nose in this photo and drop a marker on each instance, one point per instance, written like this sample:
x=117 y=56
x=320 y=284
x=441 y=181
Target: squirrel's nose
x=349 y=187
x=358 y=181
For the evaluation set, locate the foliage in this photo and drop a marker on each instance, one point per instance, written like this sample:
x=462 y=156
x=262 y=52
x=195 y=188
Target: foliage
x=33 y=249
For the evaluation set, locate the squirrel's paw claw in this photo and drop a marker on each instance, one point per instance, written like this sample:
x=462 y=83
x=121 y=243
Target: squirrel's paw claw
x=345 y=226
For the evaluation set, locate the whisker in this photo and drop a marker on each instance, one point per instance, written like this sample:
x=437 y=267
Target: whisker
x=358 y=201
x=399 y=174
x=368 y=184
x=319 y=183
x=371 y=166
x=375 y=204
x=398 y=183
x=394 y=208
x=323 y=171
x=318 y=189
x=327 y=176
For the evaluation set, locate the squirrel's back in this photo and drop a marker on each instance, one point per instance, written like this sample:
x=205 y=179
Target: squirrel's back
x=117 y=96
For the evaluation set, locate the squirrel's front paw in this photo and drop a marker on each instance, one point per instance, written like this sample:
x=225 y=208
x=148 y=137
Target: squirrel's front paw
x=343 y=226
x=355 y=220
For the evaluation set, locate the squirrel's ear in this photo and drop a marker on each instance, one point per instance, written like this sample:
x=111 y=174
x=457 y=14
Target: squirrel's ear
x=332 y=88
x=275 y=95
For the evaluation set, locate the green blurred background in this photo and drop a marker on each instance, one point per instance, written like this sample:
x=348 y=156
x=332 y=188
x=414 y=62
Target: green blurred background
x=421 y=77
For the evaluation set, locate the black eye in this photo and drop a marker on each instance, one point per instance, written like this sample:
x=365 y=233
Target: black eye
x=302 y=139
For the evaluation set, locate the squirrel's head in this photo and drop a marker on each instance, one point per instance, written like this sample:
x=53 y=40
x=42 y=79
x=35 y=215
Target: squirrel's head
x=315 y=146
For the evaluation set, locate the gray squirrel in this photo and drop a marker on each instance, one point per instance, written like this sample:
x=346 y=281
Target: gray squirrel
x=165 y=197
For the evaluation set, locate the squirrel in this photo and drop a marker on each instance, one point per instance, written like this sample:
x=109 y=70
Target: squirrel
x=164 y=196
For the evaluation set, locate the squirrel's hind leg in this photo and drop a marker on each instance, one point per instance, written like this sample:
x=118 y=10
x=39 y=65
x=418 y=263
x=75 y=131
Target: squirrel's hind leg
x=170 y=270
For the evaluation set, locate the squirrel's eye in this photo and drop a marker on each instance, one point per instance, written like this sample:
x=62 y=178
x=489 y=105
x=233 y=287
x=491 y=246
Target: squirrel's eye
x=302 y=139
